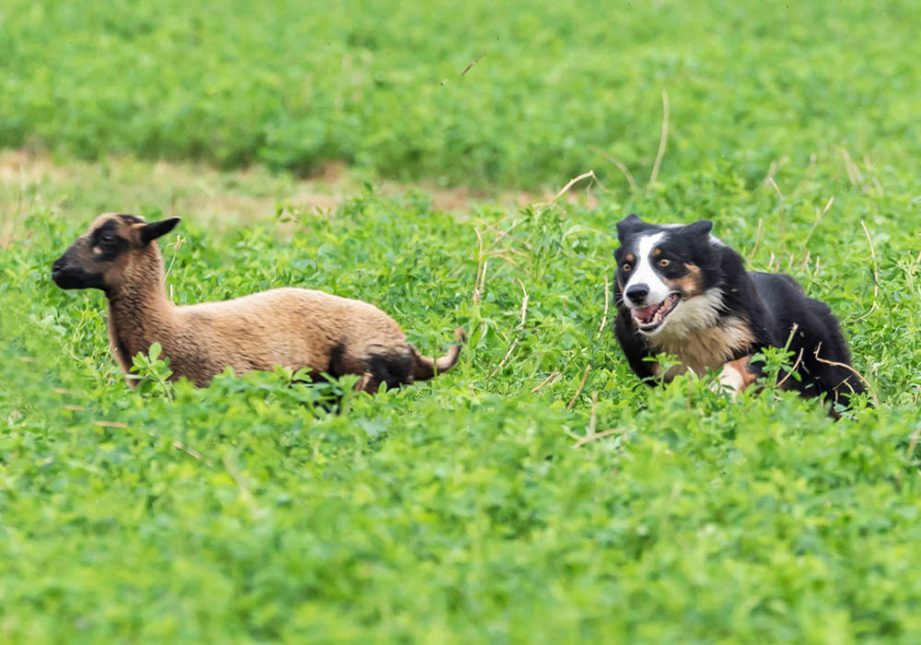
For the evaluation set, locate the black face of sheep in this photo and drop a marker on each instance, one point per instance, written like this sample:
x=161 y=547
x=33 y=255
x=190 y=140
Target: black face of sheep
x=95 y=260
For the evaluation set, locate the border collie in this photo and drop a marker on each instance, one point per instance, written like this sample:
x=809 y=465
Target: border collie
x=681 y=291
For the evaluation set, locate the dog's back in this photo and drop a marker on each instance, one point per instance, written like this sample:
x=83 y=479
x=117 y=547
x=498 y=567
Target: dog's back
x=814 y=335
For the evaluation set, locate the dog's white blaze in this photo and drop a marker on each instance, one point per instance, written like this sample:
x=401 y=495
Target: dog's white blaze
x=644 y=273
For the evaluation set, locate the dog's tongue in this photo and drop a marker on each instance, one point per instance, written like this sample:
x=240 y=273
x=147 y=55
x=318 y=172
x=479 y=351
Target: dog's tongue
x=645 y=312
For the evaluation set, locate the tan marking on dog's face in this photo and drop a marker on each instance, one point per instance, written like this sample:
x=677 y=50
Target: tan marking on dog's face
x=656 y=252
x=630 y=258
x=690 y=284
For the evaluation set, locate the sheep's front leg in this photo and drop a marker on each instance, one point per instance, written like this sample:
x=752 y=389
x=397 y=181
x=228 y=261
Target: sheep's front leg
x=737 y=375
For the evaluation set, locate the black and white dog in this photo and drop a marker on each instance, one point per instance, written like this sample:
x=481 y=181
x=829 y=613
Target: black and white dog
x=681 y=291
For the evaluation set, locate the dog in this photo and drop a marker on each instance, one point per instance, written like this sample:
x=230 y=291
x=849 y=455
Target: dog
x=681 y=291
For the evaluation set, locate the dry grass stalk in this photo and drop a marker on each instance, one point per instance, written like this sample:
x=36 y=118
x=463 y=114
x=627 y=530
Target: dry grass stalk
x=607 y=304
x=572 y=401
x=600 y=435
x=553 y=378
x=621 y=166
x=663 y=142
x=851 y=370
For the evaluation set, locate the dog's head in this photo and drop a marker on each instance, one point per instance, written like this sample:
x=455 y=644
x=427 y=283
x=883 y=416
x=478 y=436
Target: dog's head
x=665 y=274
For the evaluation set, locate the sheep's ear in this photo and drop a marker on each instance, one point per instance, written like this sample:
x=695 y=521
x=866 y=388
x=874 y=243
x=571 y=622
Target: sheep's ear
x=153 y=230
x=698 y=229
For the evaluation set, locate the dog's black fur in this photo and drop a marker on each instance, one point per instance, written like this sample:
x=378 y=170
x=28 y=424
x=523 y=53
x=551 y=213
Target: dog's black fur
x=723 y=314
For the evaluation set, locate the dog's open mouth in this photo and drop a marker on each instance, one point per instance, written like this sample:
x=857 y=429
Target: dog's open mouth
x=650 y=318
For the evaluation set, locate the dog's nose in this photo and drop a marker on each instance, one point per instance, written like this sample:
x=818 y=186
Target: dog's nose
x=637 y=293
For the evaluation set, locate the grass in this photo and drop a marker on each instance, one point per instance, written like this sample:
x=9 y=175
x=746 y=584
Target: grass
x=390 y=88
x=539 y=492
x=463 y=508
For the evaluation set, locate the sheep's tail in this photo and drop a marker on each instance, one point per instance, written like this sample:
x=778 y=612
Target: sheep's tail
x=425 y=367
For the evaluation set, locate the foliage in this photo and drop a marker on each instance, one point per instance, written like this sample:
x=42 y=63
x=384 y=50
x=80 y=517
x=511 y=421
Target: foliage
x=554 y=87
x=470 y=507
x=539 y=492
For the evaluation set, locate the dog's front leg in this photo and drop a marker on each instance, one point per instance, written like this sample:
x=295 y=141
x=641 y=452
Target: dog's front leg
x=737 y=375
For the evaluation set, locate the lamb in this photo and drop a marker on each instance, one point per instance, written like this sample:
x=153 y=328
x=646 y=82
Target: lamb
x=288 y=327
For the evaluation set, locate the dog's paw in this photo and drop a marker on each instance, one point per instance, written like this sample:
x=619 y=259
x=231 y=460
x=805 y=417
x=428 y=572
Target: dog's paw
x=735 y=377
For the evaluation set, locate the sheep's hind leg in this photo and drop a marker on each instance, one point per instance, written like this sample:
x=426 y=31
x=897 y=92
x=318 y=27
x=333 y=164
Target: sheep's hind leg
x=392 y=369
x=367 y=383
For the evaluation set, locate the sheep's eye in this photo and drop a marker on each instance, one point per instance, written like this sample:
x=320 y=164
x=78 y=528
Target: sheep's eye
x=664 y=262
x=626 y=267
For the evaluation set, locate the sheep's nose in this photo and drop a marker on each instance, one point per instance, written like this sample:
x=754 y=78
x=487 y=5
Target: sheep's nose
x=637 y=293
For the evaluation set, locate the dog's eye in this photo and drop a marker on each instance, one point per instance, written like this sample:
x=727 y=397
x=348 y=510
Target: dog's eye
x=664 y=262
x=626 y=267
x=107 y=238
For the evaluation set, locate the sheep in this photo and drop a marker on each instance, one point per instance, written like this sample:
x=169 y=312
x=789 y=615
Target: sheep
x=288 y=327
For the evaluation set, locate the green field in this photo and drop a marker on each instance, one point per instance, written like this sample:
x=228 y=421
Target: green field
x=539 y=492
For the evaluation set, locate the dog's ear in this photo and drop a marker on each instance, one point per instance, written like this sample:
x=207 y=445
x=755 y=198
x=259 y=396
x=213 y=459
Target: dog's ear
x=149 y=232
x=698 y=229
x=630 y=224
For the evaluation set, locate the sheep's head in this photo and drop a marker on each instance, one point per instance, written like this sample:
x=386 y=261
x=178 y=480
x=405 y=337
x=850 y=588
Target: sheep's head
x=112 y=245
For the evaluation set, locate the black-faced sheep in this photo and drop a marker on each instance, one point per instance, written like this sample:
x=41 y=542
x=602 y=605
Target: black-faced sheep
x=292 y=328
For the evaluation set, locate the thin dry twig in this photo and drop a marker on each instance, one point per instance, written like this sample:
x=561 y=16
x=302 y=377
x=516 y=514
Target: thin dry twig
x=504 y=358
x=915 y=263
x=796 y=363
x=191 y=452
x=786 y=347
x=524 y=305
x=593 y=415
x=663 y=141
x=850 y=369
x=874 y=176
x=913 y=442
x=110 y=424
x=783 y=215
x=621 y=166
x=853 y=170
x=572 y=182
x=599 y=435
x=471 y=64
x=773 y=169
x=572 y=401
x=758 y=233
x=521 y=324
x=875 y=264
x=819 y=215
x=480 y=268
x=607 y=304
x=554 y=376
x=810 y=170
x=176 y=246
